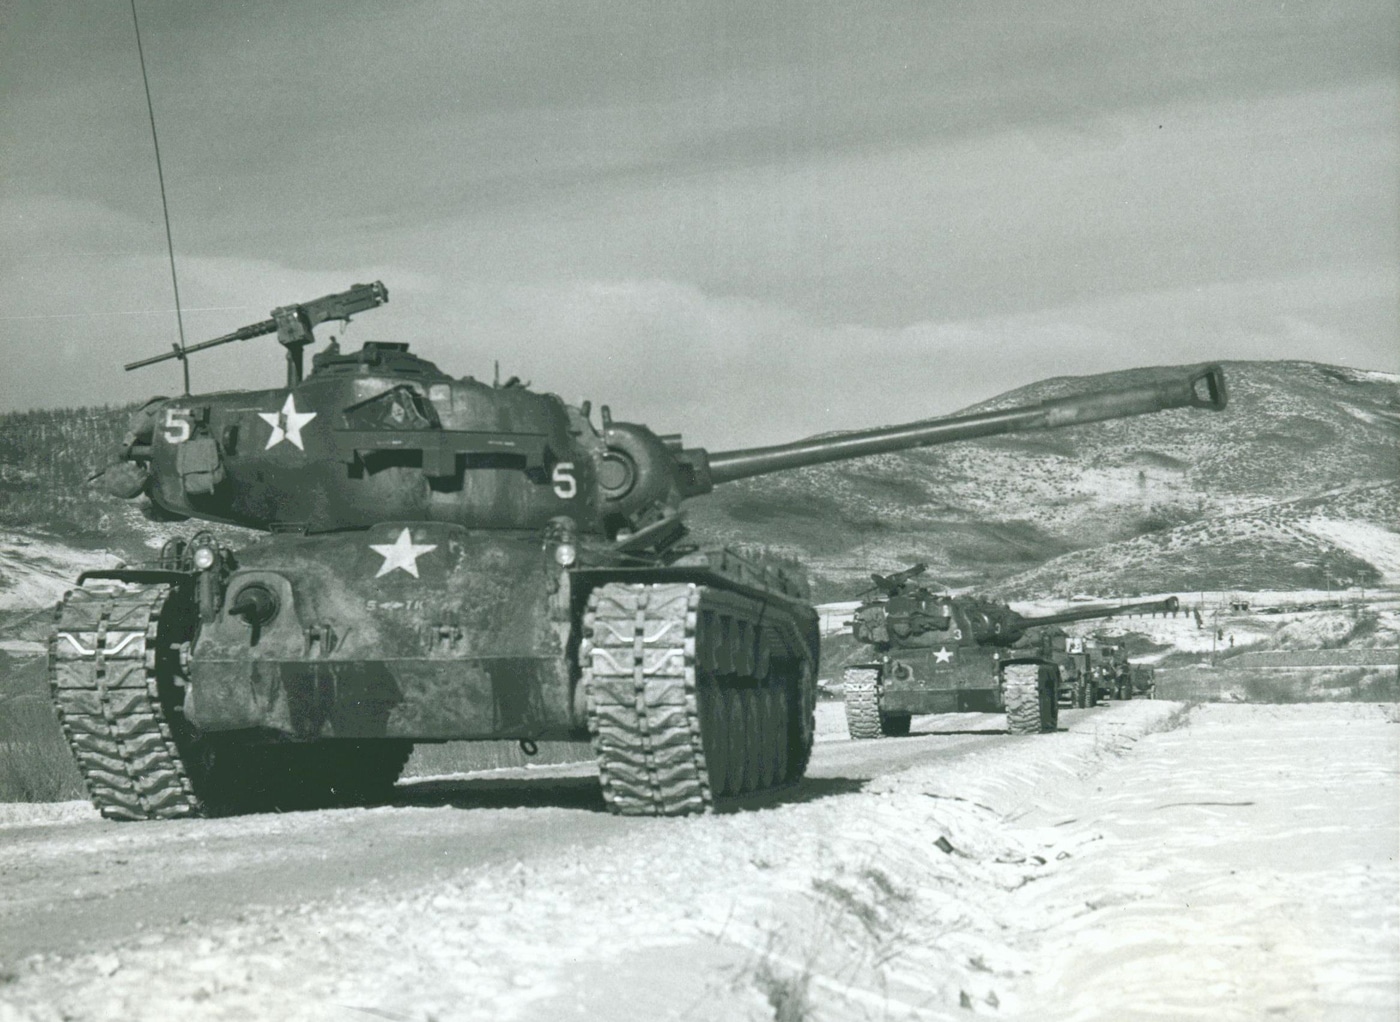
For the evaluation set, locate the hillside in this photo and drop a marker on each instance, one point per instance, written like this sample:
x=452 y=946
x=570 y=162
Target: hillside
x=1295 y=485
x=1339 y=539
x=1156 y=493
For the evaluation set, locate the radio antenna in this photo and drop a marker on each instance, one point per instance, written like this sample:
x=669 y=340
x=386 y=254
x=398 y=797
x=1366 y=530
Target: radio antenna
x=164 y=205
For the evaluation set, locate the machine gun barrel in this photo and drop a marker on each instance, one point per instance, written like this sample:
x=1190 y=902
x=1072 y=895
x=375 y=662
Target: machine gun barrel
x=292 y=323
x=267 y=326
x=1170 y=604
x=1202 y=387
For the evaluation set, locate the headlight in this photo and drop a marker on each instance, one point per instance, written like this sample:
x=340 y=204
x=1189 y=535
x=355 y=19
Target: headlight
x=566 y=554
x=205 y=557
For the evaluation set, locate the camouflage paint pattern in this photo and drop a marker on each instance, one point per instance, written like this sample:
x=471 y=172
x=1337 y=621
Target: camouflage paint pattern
x=405 y=630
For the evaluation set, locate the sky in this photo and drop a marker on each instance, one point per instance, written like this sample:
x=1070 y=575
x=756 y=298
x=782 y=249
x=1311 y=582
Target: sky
x=746 y=222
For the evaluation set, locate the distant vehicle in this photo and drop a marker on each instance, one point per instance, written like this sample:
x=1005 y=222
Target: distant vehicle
x=936 y=653
x=1093 y=670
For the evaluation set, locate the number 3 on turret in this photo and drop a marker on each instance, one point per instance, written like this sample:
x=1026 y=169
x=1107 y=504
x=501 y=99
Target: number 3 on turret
x=565 y=487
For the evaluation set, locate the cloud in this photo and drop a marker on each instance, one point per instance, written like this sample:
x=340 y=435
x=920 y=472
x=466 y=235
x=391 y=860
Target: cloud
x=733 y=372
x=749 y=223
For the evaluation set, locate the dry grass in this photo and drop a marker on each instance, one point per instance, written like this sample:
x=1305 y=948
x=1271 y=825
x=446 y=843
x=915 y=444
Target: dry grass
x=1280 y=685
x=787 y=991
x=35 y=765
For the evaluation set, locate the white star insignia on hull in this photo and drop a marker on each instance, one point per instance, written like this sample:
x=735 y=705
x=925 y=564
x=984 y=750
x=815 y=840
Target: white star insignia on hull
x=402 y=553
x=943 y=656
x=286 y=424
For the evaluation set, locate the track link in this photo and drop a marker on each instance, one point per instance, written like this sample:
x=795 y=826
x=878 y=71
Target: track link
x=684 y=714
x=103 y=658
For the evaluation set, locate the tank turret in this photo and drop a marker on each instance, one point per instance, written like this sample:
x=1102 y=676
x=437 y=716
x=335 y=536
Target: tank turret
x=448 y=559
x=932 y=652
x=383 y=434
x=914 y=616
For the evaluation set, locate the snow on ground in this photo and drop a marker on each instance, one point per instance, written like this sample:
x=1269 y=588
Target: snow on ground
x=1363 y=540
x=1249 y=872
x=36 y=572
x=1242 y=866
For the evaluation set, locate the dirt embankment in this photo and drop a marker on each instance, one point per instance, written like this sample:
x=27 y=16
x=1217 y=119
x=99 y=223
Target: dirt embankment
x=1240 y=866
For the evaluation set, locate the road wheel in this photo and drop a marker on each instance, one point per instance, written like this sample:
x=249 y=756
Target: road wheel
x=777 y=733
x=799 y=681
x=736 y=734
x=714 y=734
x=753 y=740
x=782 y=730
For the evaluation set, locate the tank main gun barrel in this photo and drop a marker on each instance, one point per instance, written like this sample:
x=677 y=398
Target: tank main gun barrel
x=1203 y=387
x=1170 y=604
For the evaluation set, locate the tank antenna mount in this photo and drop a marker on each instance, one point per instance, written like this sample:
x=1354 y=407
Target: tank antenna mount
x=164 y=205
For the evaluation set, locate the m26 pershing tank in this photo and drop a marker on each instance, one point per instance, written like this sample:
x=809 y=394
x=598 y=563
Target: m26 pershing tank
x=447 y=559
x=936 y=653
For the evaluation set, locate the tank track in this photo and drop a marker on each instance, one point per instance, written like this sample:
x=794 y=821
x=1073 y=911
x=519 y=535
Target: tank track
x=103 y=681
x=685 y=714
x=862 y=697
x=1032 y=707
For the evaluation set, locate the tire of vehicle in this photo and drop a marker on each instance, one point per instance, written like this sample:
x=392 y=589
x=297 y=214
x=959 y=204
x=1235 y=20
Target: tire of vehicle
x=862 y=686
x=1029 y=695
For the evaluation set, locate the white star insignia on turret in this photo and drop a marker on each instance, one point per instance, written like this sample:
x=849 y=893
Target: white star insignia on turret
x=401 y=553
x=943 y=656
x=286 y=424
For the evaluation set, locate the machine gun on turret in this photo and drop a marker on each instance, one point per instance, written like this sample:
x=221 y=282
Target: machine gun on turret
x=293 y=325
x=891 y=584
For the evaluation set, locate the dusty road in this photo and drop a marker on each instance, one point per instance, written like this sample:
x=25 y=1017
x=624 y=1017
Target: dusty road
x=76 y=882
x=1234 y=862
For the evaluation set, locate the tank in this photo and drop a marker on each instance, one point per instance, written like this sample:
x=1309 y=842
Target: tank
x=932 y=652
x=447 y=559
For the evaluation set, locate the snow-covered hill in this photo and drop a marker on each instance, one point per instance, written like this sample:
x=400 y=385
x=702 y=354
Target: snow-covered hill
x=1292 y=484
